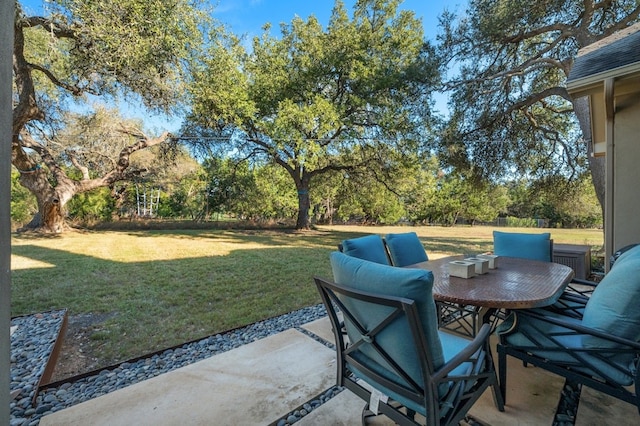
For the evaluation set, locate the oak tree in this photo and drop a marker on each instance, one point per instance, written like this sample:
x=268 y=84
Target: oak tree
x=314 y=100
x=79 y=50
x=509 y=60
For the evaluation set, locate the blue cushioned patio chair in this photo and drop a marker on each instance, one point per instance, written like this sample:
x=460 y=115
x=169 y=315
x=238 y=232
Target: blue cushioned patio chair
x=464 y=319
x=596 y=344
x=523 y=245
x=394 y=357
x=405 y=249
x=370 y=247
x=534 y=246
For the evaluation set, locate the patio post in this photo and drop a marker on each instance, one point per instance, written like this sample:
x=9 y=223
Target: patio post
x=6 y=55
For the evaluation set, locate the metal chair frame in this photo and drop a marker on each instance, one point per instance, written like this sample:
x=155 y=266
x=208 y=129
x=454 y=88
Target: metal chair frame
x=574 y=371
x=461 y=391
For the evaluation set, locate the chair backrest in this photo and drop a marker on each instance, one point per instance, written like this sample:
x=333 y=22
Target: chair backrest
x=405 y=249
x=613 y=306
x=394 y=344
x=370 y=247
x=392 y=325
x=632 y=250
x=523 y=245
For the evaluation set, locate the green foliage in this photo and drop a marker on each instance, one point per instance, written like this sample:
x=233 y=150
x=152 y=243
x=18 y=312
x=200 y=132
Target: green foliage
x=483 y=203
x=229 y=184
x=258 y=192
x=134 y=49
x=137 y=45
x=23 y=204
x=510 y=111
x=368 y=202
x=568 y=204
x=187 y=199
x=274 y=197
x=516 y=222
x=313 y=99
x=93 y=206
x=560 y=201
x=453 y=197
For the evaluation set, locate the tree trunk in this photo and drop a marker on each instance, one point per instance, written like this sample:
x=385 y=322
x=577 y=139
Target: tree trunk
x=304 y=205
x=53 y=219
x=51 y=201
x=49 y=218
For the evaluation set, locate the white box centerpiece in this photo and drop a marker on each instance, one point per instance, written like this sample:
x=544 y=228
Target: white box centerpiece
x=482 y=265
x=492 y=258
x=462 y=269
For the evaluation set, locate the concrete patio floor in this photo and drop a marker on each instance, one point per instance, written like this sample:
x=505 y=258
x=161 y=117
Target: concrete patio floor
x=259 y=383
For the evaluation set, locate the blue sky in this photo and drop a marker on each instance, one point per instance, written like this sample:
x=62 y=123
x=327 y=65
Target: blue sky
x=247 y=17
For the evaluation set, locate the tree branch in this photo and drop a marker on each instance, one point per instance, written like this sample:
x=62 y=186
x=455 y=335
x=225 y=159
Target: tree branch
x=45 y=155
x=557 y=27
x=142 y=143
x=539 y=96
x=58 y=29
x=74 y=160
x=75 y=90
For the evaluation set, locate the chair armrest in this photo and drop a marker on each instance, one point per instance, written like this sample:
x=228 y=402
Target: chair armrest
x=538 y=314
x=574 y=298
x=583 y=282
x=470 y=350
x=577 y=286
x=569 y=304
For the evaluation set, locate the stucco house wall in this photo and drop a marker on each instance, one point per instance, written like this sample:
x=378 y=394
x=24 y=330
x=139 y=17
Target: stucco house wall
x=626 y=168
x=608 y=73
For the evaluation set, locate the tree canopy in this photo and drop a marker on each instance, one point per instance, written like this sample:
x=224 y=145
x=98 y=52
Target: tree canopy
x=510 y=111
x=83 y=49
x=316 y=100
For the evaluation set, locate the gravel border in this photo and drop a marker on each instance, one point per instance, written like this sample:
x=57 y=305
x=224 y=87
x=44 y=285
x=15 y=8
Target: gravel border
x=36 y=334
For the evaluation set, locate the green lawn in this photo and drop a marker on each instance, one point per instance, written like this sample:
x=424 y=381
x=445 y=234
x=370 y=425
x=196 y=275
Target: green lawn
x=163 y=288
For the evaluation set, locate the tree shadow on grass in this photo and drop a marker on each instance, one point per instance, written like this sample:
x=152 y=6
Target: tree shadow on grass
x=329 y=238
x=163 y=303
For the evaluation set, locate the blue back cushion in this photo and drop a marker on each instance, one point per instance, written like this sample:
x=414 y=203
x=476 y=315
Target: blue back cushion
x=414 y=284
x=613 y=306
x=405 y=249
x=369 y=248
x=629 y=254
x=526 y=246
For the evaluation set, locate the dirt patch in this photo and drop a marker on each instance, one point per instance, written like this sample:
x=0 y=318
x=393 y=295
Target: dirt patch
x=77 y=355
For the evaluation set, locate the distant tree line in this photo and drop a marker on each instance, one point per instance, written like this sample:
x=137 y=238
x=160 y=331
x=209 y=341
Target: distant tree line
x=421 y=193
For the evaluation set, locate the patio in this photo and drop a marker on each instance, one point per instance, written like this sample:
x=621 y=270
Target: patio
x=263 y=382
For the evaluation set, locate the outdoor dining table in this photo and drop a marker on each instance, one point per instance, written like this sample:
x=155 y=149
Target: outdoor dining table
x=515 y=284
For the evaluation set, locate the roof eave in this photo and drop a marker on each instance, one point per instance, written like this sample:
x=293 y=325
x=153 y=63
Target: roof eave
x=594 y=81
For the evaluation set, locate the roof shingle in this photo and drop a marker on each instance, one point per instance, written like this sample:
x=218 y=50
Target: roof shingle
x=615 y=51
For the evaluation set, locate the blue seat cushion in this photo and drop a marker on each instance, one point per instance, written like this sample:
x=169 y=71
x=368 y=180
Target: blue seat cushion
x=532 y=334
x=452 y=345
x=405 y=249
x=523 y=245
x=613 y=306
x=414 y=284
x=370 y=247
